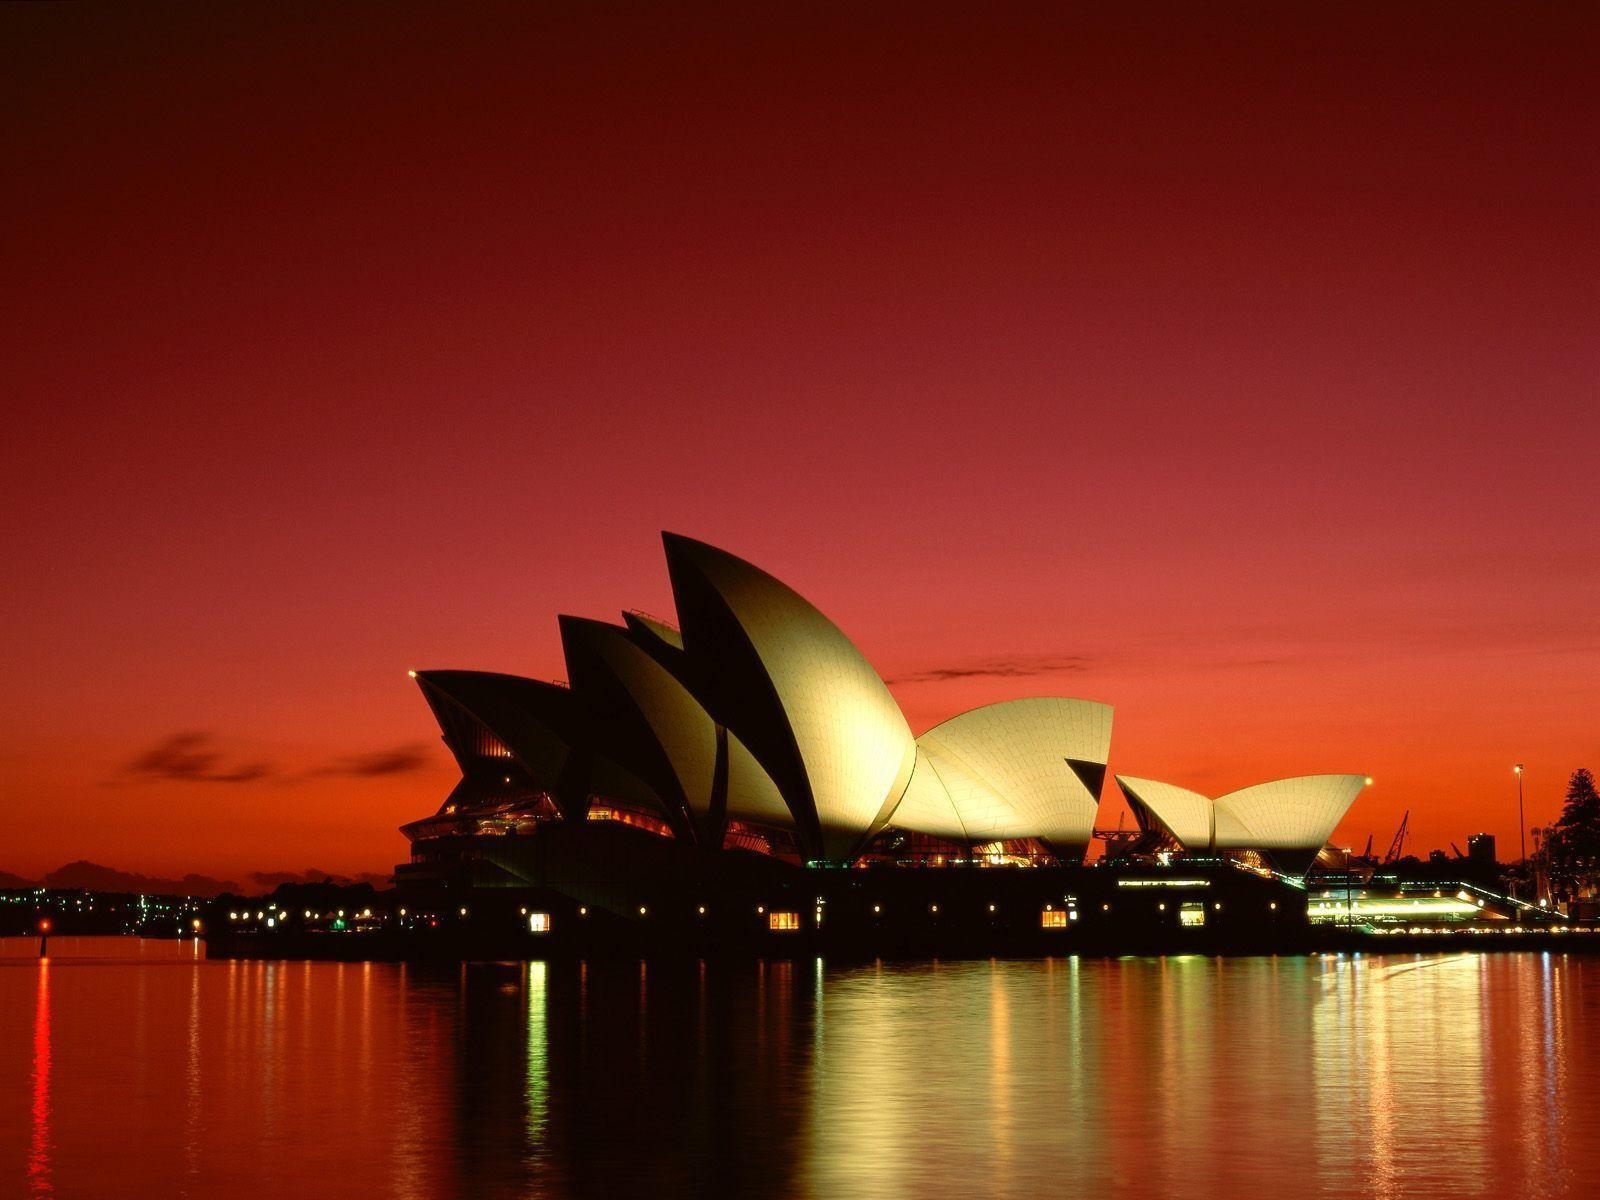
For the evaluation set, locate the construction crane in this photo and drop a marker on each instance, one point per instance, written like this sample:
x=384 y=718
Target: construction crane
x=1399 y=843
x=1122 y=842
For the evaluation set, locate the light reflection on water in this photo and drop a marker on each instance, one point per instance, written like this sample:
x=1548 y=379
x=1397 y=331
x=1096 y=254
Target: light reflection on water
x=136 y=1069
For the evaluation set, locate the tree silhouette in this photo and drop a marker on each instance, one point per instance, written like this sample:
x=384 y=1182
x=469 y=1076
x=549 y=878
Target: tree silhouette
x=1573 y=848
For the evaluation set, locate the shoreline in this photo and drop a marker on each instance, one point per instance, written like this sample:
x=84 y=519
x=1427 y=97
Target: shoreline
x=398 y=947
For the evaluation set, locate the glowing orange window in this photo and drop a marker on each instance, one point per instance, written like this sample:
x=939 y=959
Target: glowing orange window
x=783 y=921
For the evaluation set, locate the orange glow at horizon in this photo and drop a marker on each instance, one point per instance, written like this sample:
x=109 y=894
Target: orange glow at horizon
x=1046 y=352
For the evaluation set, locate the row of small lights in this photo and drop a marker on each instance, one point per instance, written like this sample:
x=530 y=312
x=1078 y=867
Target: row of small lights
x=36 y=898
x=1478 y=929
x=644 y=911
x=309 y=915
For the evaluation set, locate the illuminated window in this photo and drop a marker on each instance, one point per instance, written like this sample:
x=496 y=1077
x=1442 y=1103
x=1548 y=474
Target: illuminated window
x=1052 y=919
x=538 y=922
x=783 y=920
x=1192 y=913
x=631 y=818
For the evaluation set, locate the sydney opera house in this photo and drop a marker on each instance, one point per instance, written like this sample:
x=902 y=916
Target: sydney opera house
x=752 y=740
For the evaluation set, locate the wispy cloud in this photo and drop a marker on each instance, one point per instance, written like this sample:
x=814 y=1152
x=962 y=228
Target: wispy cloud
x=191 y=757
x=195 y=756
x=1003 y=668
x=396 y=760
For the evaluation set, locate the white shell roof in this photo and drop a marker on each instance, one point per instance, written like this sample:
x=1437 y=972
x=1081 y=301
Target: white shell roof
x=1005 y=768
x=752 y=796
x=684 y=730
x=1186 y=815
x=1286 y=814
x=1297 y=813
x=927 y=807
x=853 y=741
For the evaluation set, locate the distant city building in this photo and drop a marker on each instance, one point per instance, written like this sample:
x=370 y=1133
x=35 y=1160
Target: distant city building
x=754 y=724
x=1480 y=849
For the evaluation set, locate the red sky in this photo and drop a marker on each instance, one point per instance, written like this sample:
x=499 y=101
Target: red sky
x=1239 y=369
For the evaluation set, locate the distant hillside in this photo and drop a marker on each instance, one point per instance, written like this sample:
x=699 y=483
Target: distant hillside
x=93 y=877
x=268 y=880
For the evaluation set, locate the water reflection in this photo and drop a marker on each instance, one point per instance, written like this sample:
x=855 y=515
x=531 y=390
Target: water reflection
x=1414 y=1076
x=538 y=1067
x=39 y=1127
x=1399 y=1048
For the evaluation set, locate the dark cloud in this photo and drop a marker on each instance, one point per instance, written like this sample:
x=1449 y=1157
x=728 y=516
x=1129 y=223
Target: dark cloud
x=190 y=757
x=1006 y=668
x=193 y=757
x=397 y=760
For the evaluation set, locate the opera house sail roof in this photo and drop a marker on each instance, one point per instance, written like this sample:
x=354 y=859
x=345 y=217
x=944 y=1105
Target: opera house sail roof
x=1018 y=769
x=1288 y=819
x=807 y=702
x=755 y=723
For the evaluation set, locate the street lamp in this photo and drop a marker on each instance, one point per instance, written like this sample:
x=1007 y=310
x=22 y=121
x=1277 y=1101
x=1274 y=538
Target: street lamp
x=1522 y=822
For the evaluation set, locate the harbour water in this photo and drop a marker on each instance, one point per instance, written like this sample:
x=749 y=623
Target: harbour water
x=139 y=1069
